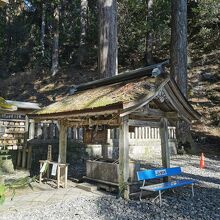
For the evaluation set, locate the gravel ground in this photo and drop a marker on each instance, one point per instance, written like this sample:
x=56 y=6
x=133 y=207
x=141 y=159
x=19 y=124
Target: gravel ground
x=205 y=204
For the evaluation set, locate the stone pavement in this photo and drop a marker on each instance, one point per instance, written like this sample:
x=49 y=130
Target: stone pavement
x=42 y=193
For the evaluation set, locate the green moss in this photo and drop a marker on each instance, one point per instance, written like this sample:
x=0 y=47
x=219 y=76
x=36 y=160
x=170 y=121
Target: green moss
x=105 y=96
x=104 y=101
x=5 y=105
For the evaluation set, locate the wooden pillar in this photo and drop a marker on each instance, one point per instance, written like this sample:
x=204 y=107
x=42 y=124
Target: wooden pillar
x=105 y=150
x=45 y=131
x=164 y=144
x=30 y=137
x=62 y=142
x=124 y=158
x=31 y=129
x=25 y=142
x=39 y=130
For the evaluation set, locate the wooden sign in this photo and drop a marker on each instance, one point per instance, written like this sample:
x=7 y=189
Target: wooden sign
x=49 y=153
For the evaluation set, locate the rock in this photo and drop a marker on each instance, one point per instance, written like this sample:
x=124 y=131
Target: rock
x=206 y=76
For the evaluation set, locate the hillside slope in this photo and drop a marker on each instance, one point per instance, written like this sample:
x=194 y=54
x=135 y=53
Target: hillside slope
x=204 y=92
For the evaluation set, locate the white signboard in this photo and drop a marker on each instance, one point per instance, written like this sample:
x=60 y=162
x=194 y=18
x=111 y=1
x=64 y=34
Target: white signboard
x=54 y=169
x=160 y=172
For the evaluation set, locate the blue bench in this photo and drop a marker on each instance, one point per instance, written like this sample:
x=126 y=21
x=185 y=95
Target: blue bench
x=160 y=173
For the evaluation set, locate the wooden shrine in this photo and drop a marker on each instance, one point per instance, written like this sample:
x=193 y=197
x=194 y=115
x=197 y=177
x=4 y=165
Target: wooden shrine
x=131 y=99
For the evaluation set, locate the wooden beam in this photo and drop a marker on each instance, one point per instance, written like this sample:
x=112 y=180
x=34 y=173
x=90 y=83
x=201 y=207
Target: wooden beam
x=64 y=115
x=172 y=115
x=149 y=114
x=90 y=122
x=124 y=158
x=153 y=111
x=138 y=123
x=164 y=144
x=156 y=113
x=62 y=142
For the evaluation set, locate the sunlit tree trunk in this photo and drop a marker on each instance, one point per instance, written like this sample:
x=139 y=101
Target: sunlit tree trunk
x=178 y=50
x=83 y=24
x=55 y=55
x=178 y=56
x=108 y=61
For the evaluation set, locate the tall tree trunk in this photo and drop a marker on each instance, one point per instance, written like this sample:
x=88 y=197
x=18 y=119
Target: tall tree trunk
x=55 y=55
x=43 y=24
x=108 y=51
x=178 y=56
x=149 y=34
x=83 y=24
x=178 y=50
x=8 y=40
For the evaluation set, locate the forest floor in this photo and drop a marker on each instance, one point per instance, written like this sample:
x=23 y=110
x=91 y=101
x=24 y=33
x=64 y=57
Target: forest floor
x=73 y=203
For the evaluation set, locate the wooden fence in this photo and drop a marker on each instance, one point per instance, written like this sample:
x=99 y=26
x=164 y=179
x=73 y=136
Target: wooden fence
x=143 y=133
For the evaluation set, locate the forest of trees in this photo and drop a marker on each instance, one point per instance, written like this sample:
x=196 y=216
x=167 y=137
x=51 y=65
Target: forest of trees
x=54 y=34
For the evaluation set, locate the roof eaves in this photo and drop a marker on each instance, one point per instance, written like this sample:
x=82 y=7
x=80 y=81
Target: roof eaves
x=134 y=106
x=97 y=110
x=184 y=101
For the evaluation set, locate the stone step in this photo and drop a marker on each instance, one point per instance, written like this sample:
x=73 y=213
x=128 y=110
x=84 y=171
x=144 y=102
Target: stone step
x=87 y=187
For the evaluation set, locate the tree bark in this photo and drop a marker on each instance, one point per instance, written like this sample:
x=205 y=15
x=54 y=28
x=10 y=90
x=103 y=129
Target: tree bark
x=178 y=50
x=55 y=55
x=83 y=24
x=178 y=56
x=108 y=51
x=43 y=24
x=149 y=34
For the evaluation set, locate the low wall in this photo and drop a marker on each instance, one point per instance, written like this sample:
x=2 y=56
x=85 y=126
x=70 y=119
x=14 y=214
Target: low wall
x=142 y=150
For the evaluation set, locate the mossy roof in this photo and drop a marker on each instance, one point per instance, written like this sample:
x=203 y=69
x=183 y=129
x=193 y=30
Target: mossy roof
x=105 y=96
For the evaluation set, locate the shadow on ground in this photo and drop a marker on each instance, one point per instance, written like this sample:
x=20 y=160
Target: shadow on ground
x=205 y=205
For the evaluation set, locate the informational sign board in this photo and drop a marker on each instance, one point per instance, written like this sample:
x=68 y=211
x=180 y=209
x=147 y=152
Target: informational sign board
x=54 y=169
